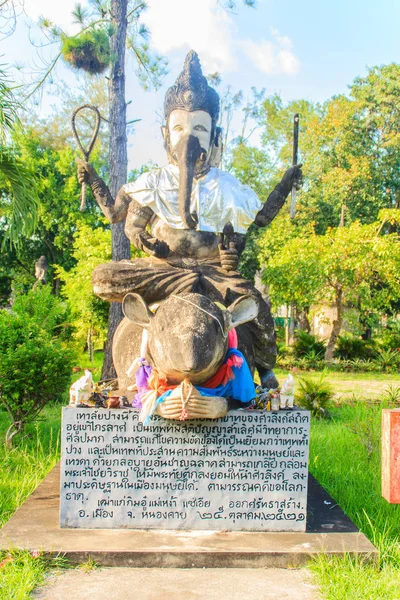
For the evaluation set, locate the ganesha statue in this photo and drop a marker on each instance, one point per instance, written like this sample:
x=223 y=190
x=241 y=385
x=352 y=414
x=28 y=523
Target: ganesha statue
x=195 y=354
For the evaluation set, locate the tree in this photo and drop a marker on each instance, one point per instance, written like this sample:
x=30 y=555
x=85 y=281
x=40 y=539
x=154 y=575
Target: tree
x=89 y=313
x=58 y=213
x=348 y=266
x=350 y=147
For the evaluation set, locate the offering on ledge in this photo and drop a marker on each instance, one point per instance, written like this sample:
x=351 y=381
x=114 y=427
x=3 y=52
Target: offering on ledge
x=280 y=398
x=84 y=393
x=82 y=389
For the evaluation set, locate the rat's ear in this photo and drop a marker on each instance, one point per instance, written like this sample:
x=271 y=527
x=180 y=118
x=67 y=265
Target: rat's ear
x=244 y=309
x=136 y=310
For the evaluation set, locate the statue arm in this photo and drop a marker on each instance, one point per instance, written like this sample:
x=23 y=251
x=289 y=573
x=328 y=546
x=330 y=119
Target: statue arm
x=114 y=210
x=277 y=197
x=137 y=220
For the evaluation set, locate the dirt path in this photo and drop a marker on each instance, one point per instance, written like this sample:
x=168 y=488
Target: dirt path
x=180 y=584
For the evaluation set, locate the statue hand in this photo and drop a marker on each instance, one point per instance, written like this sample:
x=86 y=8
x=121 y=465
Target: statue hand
x=153 y=246
x=293 y=177
x=86 y=173
x=197 y=408
x=229 y=257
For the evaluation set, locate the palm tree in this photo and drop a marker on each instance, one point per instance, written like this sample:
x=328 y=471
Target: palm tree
x=18 y=196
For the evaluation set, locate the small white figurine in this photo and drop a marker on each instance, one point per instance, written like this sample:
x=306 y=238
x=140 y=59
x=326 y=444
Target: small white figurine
x=82 y=389
x=287 y=392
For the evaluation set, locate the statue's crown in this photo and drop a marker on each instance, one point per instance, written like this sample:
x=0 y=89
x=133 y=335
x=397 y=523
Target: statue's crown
x=191 y=90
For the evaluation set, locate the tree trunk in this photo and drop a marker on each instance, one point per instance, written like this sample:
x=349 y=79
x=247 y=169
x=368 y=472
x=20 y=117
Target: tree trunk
x=302 y=319
x=118 y=160
x=337 y=325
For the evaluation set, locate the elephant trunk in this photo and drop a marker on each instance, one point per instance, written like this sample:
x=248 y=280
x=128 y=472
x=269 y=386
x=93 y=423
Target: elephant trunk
x=187 y=153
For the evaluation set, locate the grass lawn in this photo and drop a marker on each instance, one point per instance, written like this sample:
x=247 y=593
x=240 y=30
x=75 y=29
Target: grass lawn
x=344 y=456
x=345 y=385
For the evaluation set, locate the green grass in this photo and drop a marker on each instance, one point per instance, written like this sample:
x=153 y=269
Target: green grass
x=368 y=385
x=345 y=457
x=34 y=454
x=22 y=468
x=95 y=366
x=22 y=572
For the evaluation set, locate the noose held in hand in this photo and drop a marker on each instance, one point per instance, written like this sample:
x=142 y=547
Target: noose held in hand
x=86 y=153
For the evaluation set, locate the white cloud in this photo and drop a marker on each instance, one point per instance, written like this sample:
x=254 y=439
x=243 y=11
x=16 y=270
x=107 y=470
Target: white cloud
x=189 y=24
x=273 y=57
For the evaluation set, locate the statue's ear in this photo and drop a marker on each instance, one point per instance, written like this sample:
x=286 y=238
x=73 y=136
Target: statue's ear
x=136 y=310
x=164 y=132
x=244 y=309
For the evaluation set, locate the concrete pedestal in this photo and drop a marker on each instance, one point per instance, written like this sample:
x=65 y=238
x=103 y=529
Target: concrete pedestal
x=35 y=526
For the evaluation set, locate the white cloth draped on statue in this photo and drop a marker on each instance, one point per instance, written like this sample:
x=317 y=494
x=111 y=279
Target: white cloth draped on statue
x=217 y=198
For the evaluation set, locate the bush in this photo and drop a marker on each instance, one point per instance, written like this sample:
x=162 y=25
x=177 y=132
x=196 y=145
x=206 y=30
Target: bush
x=389 y=337
x=89 y=51
x=315 y=396
x=35 y=366
x=388 y=360
x=48 y=311
x=349 y=347
x=304 y=343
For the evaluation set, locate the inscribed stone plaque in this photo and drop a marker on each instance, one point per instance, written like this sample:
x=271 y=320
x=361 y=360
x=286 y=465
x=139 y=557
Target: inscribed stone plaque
x=247 y=471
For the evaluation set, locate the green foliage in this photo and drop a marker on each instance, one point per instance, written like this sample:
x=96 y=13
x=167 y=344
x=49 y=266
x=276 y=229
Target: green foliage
x=29 y=460
x=349 y=347
x=89 y=313
x=389 y=337
x=315 y=396
x=391 y=396
x=18 y=196
x=307 y=343
x=42 y=307
x=59 y=215
x=253 y=167
x=35 y=365
x=349 y=146
x=388 y=359
x=348 y=266
x=22 y=572
x=18 y=183
x=89 y=50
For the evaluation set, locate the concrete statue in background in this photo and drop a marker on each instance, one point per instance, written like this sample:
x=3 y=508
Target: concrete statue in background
x=190 y=218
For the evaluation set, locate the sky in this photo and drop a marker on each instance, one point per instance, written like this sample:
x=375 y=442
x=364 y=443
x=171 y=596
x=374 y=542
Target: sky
x=311 y=49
